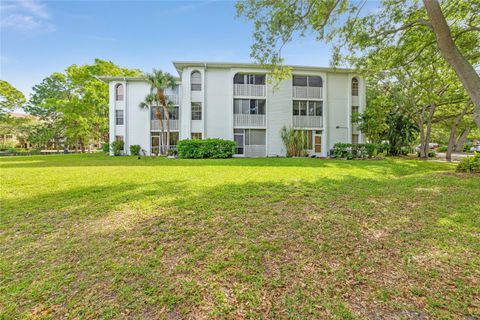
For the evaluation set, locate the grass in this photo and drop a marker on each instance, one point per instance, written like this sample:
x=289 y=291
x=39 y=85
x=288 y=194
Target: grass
x=90 y=236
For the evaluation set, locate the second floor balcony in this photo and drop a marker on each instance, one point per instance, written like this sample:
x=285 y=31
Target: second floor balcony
x=249 y=120
x=304 y=92
x=156 y=126
x=307 y=122
x=249 y=90
x=173 y=98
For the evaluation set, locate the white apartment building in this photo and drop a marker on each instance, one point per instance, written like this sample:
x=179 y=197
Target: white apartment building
x=235 y=101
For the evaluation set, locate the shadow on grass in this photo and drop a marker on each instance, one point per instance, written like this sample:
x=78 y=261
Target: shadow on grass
x=332 y=247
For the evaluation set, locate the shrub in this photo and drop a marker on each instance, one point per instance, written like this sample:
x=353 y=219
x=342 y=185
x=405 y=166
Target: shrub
x=431 y=154
x=106 y=147
x=117 y=147
x=7 y=145
x=467 y=146
x=470 y=164
x=359 y=151
x=135 y=150
x=442 y=149
x=294 y=141
x=208 y=148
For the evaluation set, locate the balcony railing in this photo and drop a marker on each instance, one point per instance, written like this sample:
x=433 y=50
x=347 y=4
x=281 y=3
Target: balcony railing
x=173 y=98
x=307 y=122
x=249 y=90
x=255 y=151
x=307 y=92
x=155 y=125
x=249 y=120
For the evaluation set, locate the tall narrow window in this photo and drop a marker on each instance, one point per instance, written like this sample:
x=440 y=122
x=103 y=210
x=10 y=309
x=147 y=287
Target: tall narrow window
x=119 y=92
x=355 y=87
x=119 y=117
x=196 y=81
x=196 y=135
x=196 y=111
x=355 y=110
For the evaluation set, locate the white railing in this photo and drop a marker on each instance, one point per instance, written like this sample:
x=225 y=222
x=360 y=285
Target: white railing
x=173 y=98
x=249 y=90
x=255 y=151
x=307 y=122
x=155 y=125
x=307 y=92
x=249 y=120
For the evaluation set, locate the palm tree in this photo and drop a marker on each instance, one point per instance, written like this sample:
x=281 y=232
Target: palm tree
x=159 y=81
x=151 y=101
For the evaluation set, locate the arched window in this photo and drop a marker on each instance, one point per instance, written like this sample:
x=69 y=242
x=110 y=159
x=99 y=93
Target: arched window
x=119 y=92
x=196 y=81
x=355 y=87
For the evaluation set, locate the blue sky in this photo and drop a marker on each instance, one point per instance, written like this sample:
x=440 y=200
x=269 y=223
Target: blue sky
x=41 y=37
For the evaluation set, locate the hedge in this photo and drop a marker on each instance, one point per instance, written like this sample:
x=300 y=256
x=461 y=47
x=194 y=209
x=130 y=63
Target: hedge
x=208 y=148
x=470 y=164
x=359 y=150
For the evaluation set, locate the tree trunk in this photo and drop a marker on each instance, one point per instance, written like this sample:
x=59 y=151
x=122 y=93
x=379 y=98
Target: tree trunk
x=453 y=132
x=464 y=70
x=462 y=139
x=160 y=141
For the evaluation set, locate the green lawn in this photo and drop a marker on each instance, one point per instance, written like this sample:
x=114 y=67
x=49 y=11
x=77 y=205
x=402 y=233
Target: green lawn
x=91 y=236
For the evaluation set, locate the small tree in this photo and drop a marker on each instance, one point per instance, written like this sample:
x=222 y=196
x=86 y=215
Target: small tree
x=151 y=101
x=159 y=81
x=294 y=141
x=117 y=147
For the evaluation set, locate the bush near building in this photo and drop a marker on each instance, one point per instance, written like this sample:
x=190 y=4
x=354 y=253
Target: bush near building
x=208 y=148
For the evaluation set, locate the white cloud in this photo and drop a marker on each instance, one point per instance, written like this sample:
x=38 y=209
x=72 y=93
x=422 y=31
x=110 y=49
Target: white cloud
x=35 y=8
x=25 y=15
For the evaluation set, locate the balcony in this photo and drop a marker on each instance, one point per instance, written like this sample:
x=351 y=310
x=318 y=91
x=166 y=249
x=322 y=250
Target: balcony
x=252 y=151
x=173 y=98
x=249 y=120
x=249 y=90
x=155 y=125
x=307 y=121
x=302 y=92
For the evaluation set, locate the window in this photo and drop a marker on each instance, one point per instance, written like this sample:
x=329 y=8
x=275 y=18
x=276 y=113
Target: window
x=355 y=110
x=308 y=108
x=300 y=81
x=157 y=112
x=197 y=135
x=119 y=92
x=196 y=81
x=355 y=87
x=155 y=139
x=314 y=81
x=240 y=78
x=118 y=138
x=354 y=138
x=310 y=81
x=119 y=117
x=249 y=106
x=196 y=111
x=248 y=137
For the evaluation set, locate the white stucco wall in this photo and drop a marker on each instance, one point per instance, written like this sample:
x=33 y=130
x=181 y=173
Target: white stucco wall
x=279 y=114
x=218 y=107
x=338 y=109
x=137 y=122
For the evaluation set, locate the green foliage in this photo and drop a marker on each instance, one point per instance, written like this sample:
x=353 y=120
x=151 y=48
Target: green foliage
x=10 y=98
x=117 y=147
x=359 y=150
x=402 y=132
x=135 y=150
x=470 y=164
x=442 y=149
x=467 y=146
x=76 y=101
x=106 y=147
x=294 y=141
x=208 y=148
